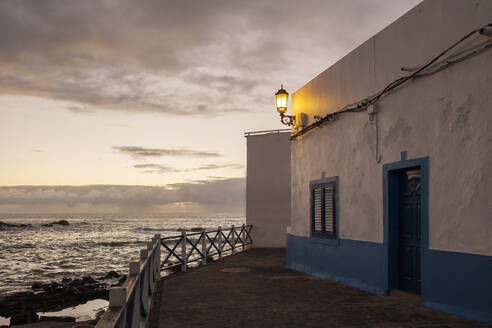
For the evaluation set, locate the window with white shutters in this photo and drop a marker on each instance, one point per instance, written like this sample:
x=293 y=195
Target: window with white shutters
x=323 y=209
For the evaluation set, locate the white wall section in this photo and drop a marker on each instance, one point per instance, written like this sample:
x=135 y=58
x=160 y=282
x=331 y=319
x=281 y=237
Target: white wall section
x=268 y=187
x=446 y=116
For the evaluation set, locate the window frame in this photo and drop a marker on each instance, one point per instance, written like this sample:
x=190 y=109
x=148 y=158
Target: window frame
x=317 y=184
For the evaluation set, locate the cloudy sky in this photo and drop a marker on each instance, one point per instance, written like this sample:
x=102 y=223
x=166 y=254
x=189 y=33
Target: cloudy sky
x=124 y=106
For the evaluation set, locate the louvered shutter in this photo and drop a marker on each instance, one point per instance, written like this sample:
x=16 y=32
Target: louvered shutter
x=323 y=209
x=317 y=211
x=329 y=208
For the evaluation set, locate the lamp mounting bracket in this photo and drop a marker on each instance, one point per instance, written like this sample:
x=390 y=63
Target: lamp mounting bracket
x=287 y=119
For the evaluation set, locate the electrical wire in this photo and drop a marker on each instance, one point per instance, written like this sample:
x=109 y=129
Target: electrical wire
x=436 y=66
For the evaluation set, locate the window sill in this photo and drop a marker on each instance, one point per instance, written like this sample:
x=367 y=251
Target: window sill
x=334 y=242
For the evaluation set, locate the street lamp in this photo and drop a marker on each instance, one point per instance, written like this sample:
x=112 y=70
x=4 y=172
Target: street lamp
x=282 y=98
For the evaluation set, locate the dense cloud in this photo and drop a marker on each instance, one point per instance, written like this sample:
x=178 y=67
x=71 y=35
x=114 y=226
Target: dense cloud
x=224 y=195
x=140 y=152
x=177 y=57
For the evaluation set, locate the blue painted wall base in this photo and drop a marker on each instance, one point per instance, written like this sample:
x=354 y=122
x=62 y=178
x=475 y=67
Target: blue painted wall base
x=456 y=283
x=355 y=263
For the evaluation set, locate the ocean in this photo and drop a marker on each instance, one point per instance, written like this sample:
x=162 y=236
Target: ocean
x=89 y=245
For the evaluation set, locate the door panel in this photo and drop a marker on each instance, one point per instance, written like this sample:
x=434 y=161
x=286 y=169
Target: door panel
x=409 y=231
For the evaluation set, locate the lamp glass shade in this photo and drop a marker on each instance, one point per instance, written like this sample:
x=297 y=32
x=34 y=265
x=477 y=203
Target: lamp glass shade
x=281 y=98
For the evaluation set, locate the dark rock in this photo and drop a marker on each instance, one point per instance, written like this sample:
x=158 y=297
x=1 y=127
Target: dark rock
x=71 y=292
x=52 y=287
x=53 y=296
x=4 y=225
x=57 y=319
x=89 y=280
x=47 y=289
x=66 y=280
x=99 y=314
x=22 y=295
x=61 y=222
x=23 y=318
x=196 y=229
x=76 y=282
x=112 y=274
x=51 y=302
x=47 y=224
x=37 y=285
x=120 y=282
x=101 y=293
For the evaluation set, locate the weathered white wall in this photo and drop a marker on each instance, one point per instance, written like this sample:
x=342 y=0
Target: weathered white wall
x=268 y=188
x=446 y=116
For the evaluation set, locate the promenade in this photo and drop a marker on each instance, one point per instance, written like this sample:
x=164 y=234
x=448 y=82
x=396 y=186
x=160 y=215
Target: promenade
x=253 y=289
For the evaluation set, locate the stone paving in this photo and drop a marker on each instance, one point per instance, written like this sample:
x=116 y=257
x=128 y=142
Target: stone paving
x=253 y=289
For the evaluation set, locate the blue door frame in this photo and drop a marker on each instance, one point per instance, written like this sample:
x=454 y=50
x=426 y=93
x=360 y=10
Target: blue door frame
x=390 y=214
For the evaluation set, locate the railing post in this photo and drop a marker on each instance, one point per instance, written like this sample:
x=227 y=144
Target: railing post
x=204 y=247
x=158 y=257
x=152 y=266
x=150 y=249
x=134 y=268
x=136 y=311
x=233 y=238
x=117 y=297
x=243 y=236
x=220 y=242
x=183 y=251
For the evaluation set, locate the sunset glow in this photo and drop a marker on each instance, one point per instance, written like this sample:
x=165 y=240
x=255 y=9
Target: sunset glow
x=148 y=94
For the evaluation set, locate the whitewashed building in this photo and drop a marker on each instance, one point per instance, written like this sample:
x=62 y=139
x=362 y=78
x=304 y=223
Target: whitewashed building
x=395 y=191
x=268 y=186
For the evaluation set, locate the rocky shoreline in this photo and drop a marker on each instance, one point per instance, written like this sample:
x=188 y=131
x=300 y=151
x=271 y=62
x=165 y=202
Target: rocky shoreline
x=22 y=307
x=6 y=225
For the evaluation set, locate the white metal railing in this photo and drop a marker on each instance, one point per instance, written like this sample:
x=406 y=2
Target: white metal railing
x=129 y=305
x=184 y=249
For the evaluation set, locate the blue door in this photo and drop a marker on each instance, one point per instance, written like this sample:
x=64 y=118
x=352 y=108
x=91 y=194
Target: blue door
x=409 y=234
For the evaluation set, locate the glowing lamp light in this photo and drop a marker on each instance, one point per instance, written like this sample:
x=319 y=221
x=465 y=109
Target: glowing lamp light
x=282 y=99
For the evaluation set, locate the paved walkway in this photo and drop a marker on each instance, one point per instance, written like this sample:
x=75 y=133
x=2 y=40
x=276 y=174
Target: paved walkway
x=253 y=289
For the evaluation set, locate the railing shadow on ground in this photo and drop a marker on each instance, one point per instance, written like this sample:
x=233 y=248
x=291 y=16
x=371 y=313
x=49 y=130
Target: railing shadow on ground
x=130 y=304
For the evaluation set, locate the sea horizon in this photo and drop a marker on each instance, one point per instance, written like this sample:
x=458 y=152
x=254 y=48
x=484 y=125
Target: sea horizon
x=91 y=244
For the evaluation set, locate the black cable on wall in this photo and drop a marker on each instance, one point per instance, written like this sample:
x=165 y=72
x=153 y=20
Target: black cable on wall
x=363 y=104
